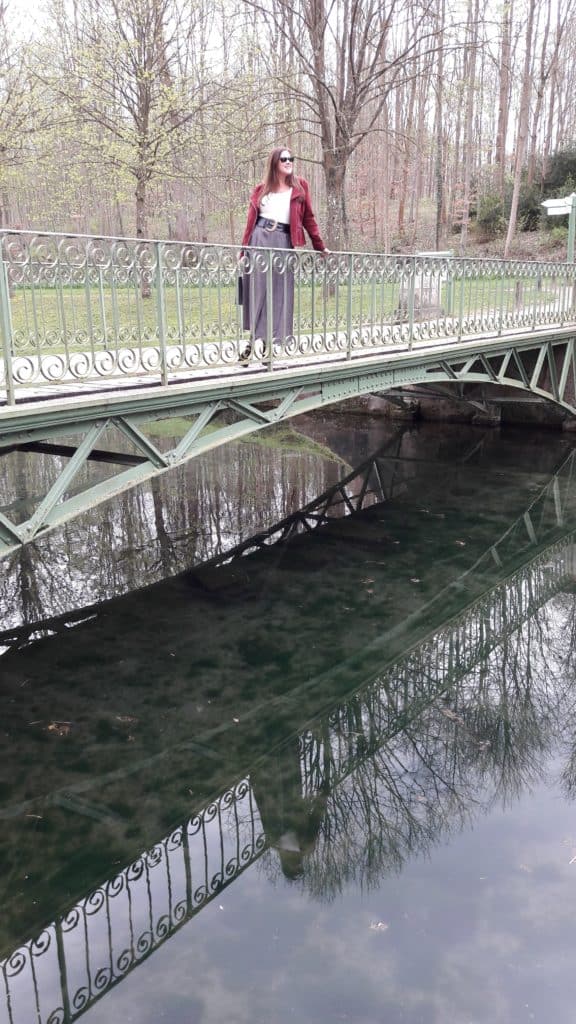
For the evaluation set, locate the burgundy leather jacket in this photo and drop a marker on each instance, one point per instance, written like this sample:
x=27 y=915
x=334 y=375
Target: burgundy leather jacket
x=301 y=215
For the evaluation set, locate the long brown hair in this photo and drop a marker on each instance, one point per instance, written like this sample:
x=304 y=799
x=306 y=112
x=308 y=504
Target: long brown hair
x=271 y=178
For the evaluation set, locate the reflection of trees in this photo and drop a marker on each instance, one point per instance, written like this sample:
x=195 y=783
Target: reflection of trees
x=199 y=511
x=192 y=514
x=410 y=760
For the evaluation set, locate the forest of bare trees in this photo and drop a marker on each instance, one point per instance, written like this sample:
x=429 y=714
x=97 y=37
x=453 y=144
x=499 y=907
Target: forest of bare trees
x=421 y=124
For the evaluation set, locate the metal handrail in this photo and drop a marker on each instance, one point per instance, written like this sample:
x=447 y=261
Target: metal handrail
x=92 y=310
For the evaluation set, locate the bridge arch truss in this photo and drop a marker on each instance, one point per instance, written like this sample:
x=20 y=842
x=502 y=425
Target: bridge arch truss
x=214 y=411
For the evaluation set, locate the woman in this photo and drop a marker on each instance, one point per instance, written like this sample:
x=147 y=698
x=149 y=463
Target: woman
x=279 y=211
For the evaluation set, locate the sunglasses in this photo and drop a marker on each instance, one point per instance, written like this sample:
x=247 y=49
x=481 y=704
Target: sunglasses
x=286 y=159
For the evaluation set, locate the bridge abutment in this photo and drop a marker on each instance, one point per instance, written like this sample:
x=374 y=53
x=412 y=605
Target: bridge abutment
x=489 y=406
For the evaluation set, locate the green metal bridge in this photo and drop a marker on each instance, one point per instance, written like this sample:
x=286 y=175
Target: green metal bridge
x=104 y=337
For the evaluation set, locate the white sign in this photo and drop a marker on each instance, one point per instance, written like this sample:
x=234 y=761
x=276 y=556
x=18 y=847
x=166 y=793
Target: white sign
x=559 y=207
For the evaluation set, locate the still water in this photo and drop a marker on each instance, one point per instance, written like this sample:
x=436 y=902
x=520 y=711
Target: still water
x=291 y=735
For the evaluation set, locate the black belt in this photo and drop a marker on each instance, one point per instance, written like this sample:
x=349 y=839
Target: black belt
x=273 y=225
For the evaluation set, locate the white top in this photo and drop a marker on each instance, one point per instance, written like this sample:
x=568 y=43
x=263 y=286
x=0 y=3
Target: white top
x=276 y=206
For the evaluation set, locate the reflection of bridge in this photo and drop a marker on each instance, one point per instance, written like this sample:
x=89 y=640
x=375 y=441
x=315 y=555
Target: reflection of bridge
x=372 y=482
x=100 y=337
x=92 y=947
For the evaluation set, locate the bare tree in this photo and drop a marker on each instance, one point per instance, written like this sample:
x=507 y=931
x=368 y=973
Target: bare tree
x=21 y=113
x=522 y=130
x=503 y=94
x=121 y=73
x=548 y=67
x=467 y=146
x=351 y=56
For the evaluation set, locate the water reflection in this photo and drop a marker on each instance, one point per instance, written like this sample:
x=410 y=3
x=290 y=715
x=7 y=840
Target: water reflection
x=195 y=512
x=383 y=776
x=361 y=737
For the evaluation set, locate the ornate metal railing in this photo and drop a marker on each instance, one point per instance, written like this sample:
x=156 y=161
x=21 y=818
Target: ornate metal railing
x=54 y=978
x=77 y=308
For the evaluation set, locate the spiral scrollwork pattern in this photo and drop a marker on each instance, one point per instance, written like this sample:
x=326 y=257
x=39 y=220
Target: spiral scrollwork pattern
x=96 y=309
x=99 y=939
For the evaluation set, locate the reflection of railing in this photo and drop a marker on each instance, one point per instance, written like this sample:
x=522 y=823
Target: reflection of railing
x=359 y=725
x=57 y=976
x=76 y=960
x=82 y=308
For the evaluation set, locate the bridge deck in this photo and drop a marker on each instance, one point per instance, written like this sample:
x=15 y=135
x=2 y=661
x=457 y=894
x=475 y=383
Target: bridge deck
x=140 y=392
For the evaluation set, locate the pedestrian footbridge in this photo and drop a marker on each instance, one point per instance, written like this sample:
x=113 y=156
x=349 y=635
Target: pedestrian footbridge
x=104 y=337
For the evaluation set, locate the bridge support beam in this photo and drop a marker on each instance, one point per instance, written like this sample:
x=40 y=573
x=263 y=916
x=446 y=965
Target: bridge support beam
x=206 y=414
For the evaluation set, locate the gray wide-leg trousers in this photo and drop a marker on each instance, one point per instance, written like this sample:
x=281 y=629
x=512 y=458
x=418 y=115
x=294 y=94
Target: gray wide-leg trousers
x=255 y=281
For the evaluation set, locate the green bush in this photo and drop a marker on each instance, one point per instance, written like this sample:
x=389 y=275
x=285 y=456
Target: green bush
x=559 y=237
x=561 y=174
x=529 y=208
x=490 y=216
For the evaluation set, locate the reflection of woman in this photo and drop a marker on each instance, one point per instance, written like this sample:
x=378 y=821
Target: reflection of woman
x=291 y=820
x=279 y=211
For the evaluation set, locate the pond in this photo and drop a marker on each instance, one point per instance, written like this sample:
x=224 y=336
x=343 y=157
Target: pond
x=290 y=734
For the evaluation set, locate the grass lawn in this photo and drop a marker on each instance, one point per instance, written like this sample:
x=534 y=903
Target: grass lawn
x=82 y=318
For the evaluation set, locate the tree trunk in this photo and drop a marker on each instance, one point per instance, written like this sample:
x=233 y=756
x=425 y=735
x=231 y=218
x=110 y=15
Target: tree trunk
x=503 y=98
x=408 y=154
x=542 y=82
x=522 y=133
x=467 y=146
x=547 y=146
x=335 y=177
x=141 y=211
x=142 y=226
x=439 y=117
x=4 y=207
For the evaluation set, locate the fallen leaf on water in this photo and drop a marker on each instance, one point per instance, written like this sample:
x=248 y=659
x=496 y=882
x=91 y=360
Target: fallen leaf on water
x=415 y=579
x=126 y=718
x=60 y=728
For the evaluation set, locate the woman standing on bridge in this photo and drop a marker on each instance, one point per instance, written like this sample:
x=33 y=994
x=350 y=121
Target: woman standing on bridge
x=280 y=209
